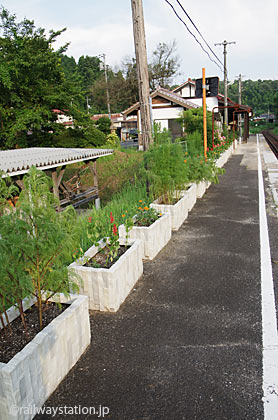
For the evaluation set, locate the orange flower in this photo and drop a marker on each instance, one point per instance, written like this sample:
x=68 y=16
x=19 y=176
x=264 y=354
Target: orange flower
x=140 y=201
x=185 y=160
x=146 y=208
x=140 y=208
x=123 y=215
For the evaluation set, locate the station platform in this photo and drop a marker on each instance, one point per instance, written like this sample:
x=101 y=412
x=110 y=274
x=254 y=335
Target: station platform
x=197 y=338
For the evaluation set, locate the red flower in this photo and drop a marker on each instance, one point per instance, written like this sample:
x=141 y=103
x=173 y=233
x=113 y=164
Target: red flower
x=90 y=219
x=111 y=218
x=115 y=230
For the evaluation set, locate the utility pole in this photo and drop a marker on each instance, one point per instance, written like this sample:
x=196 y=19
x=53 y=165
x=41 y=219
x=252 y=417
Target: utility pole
x=239 y=88
x=103 y=56
x=239 y=102
x=225 y=43
x=142 y=74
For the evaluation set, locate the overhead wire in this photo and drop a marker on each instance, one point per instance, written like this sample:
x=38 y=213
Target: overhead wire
x=191 y=33
x=199 y=32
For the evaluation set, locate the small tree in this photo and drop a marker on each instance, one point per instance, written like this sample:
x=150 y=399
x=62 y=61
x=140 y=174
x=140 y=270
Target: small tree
x=166 y=169
x=191 y=121
x=15 y=283
x=50 y=242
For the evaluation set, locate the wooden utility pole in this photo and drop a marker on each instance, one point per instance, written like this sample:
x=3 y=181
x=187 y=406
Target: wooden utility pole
x=142 y=74
x=225 y=43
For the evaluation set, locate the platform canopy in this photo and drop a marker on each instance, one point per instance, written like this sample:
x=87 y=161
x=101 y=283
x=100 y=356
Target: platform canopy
x=19 y=161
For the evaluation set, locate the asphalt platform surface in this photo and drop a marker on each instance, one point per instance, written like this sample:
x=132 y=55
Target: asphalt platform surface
x=187 y=343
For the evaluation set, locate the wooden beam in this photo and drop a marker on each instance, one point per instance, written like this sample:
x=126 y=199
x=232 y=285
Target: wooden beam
x=93 y=168
x=57 y=181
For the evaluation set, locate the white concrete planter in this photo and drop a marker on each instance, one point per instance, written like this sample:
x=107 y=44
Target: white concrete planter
x=191 y=194
x=108 y=288
x=208 y=184
x=201 y=188
x=178 y=211
x=224 y=157
x=31 y=376
x=153 y=237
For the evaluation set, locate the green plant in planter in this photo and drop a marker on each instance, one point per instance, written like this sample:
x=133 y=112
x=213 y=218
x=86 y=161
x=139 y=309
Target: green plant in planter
x=166 y=171
x=15 y=283
x=50 y=240
x=146 y=216
x=199 y=169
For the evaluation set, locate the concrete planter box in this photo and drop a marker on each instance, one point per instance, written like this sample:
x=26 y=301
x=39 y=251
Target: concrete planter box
x=201 y=188
x=191 y=194
x=31 y=376
x=178 y=211
x=108 y=288
x=224 y=157
x=153 y=237
x=208 y=184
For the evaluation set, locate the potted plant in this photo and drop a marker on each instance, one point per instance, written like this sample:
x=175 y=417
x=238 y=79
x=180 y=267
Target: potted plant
x=167 y=175
x=151 y=227
x=109 y=270
x=34 y=244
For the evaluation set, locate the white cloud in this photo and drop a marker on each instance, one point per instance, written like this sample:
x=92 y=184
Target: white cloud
x=96 y=27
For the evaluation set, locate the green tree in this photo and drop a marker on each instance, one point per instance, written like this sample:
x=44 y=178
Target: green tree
x=32 y=83
x=164 y=65
x=89 y=70
x=50 y=239
x=104 y=124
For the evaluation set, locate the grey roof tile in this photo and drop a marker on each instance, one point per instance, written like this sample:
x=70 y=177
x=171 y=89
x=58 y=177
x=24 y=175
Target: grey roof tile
x=19 y=161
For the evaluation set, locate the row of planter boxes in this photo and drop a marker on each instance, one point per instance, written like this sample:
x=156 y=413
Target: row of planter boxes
x=29 y=378
x=108 y=288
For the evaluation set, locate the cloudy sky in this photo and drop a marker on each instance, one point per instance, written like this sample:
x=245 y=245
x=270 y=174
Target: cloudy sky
x=105 y=26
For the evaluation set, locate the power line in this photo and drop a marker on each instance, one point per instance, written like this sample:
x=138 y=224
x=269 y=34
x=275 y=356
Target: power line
x=211 y=59
x=199 y=32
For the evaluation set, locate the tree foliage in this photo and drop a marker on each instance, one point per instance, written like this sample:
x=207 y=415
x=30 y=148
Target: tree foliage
x=164 y=65
x=123 y=81
x=32 y=82
x=35 y=80
x=261 y=95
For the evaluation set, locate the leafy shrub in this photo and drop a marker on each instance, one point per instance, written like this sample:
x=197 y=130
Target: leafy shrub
x=199 y=169
x=166 y=171
x=112 y=140
x=103 y=124
x=94 y=136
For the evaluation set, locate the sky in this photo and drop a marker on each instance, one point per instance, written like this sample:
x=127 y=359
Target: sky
x=105 y=26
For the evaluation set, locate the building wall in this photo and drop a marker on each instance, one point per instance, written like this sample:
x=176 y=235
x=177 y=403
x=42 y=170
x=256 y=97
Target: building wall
x=167 y=113
x=211 y=102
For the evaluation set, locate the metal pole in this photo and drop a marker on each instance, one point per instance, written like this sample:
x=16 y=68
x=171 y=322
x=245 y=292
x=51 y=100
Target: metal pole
x=204 y=112
x=239 y=101
x=107 y=90
x=103 y=56
x=225 y=43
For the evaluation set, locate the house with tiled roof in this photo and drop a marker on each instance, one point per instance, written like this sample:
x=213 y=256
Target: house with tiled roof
x=166 y=108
